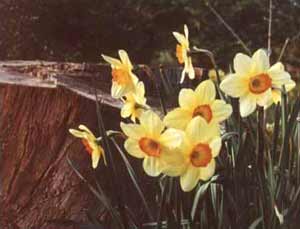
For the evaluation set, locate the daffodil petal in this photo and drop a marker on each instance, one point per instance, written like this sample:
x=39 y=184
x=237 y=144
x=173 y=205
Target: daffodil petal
x=207 y=172
x=178 y=118
x=215 y=145
x=84 y=128
x=181 y=39
x=152 y=166
x=125 y=59
x=133 y=131
x=171 y=138
x=95 y=158
x=261 y=61
x=242 y=64
x=187 y=98
x=247 y=105
x=206 y=92
x=196 y=129
x=113 y=61
x=221 y=110
x=152 y=123
x=186 y=32
x=133 y=148
x=174 y=163
x=189 y=179
x=276 y=95
x=117 y=91
x=265 y=99
x=126 y=110
x=183 y=73
x=234 y=85
x=189 y=68
x=76 y=133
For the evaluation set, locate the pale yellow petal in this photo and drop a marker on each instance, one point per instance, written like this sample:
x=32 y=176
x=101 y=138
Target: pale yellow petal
x=152 y=123
x=115 y=63
x=181 y=39
x=234 y=85
x=261 y=61
x=117 y=91
x=242 y=64
x=183 y=73
x=127 y=110
x=152 y=166
x=133 y=131
x=84 y=128
x=247 y=105
x=125 y=59
x=265 y=99
x=178 y=118
x=174 y=163
x=189 y=179
x=276 y=95
x=95 y=158
x=206 y=92
x=207 y=172
x=78 y=134
x=189 y=69
x=221 y=110
x=196 y=130
x=171 y=138
x=215 y=145
x=187 y=99
x=186 y=32
x=133 y=148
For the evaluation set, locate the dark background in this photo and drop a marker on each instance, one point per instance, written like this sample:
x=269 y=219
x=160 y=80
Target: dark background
x=80 y=30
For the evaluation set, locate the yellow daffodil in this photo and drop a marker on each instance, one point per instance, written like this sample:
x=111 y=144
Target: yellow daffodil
x=149 y=140
x=182 y=53
x=212 y=74
x=90 y=142
x=255 y=82
x=123 y=79
x=194 y=160
x=200 y=102
x=134 y=103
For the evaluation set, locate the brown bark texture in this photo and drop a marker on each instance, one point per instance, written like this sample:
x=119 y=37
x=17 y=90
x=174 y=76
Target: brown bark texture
x=38 y=187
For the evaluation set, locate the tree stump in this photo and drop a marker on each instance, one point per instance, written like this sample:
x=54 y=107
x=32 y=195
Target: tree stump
x=38 y=187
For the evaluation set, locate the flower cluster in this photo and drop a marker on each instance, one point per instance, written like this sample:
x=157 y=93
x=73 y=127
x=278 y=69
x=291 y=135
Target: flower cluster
x=185 y=142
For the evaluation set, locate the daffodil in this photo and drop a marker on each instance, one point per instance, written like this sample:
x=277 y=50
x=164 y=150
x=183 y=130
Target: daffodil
x=123 y=79
x=212 y=74
x=182 y=53
x=150 y=141
x=201 y=102
x=194 y=160
x=134 y=103
x=255 y=82
x=91 y=144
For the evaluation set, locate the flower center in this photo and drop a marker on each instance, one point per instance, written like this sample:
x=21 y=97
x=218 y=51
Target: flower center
x=200 y=155
x=260 y=83
x=149 y=147
x=204 y=111
x=120 y=76
x=87 y=146
x=179 y=54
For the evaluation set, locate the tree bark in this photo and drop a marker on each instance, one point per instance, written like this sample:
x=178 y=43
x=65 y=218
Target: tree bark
x=38 y=187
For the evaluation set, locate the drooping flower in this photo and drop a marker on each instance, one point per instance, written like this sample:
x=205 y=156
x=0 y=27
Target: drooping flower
x=123 y=79
x=194 y=160
x=201 y=102
x=149 y=140
x=212 y=74
x=182 y=53
x=255 y=82
x=134 y=103
x=90 y=142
